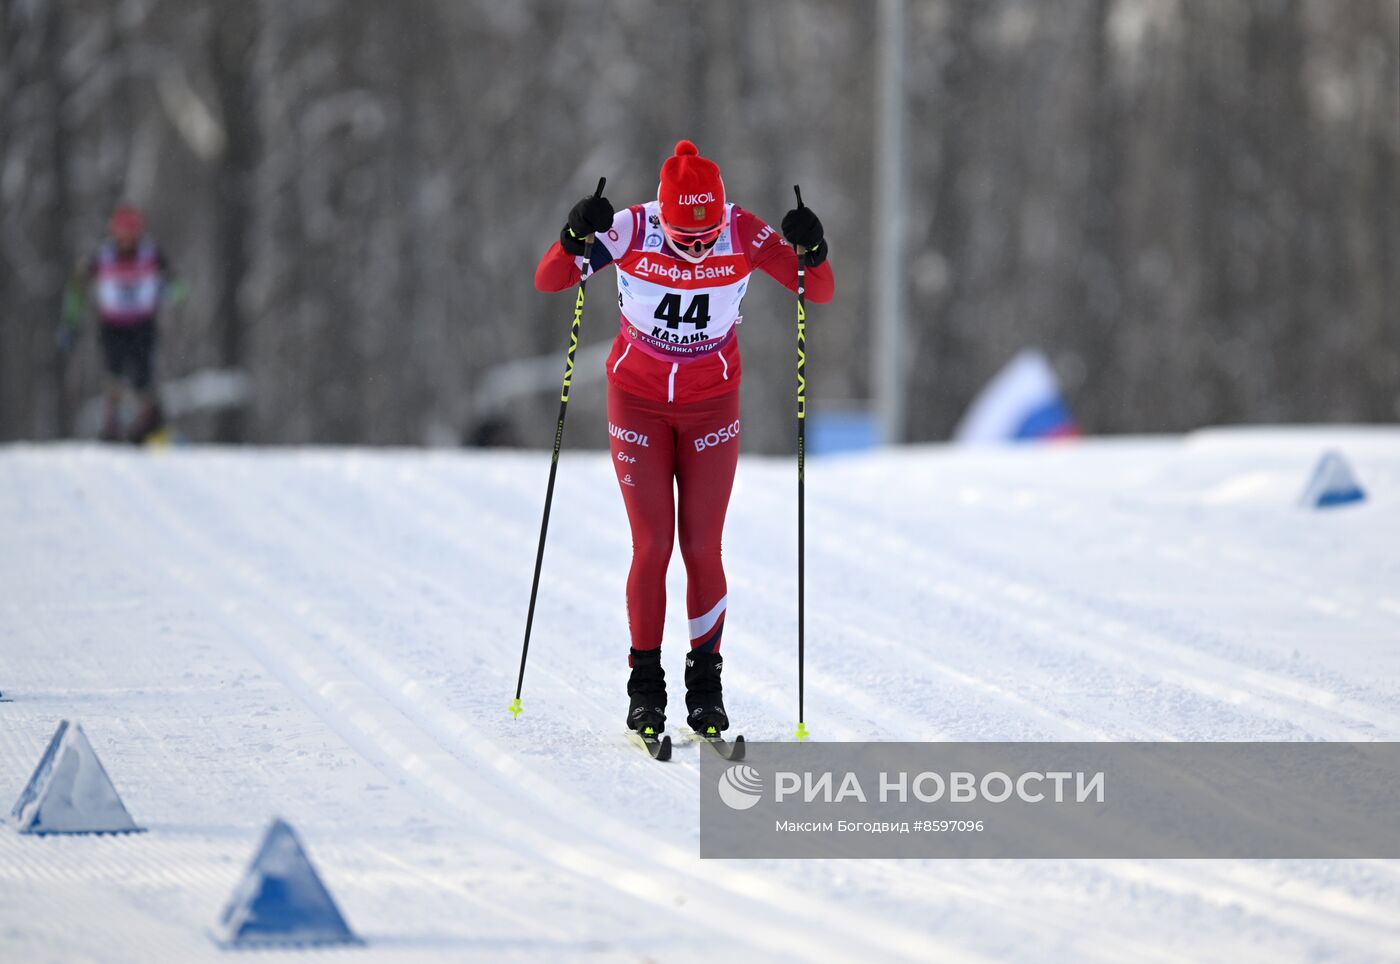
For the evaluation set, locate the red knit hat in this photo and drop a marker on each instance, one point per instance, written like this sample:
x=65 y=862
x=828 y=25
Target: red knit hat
x=127 y=223
x=691 y=191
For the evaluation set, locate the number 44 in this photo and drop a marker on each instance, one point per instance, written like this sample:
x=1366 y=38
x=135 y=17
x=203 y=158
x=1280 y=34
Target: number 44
x=697 y=313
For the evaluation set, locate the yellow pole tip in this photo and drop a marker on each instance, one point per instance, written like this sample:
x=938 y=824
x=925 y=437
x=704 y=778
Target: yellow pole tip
x=516 y=709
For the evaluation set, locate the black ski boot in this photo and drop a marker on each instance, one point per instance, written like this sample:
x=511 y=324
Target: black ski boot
x=704 y=694
x=647 y=688
x=111 y=422
x=148 y=423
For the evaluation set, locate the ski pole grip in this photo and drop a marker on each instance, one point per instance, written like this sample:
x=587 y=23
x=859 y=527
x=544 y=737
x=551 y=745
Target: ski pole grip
x=588 y=242
x=802 y=254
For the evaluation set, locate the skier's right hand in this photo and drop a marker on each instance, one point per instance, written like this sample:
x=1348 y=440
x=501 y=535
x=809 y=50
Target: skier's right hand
x=69 y=326
x=589 y=216
x=66 y=339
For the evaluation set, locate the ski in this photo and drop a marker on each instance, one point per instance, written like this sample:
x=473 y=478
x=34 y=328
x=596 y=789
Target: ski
x=732 y=750
x=658 y=747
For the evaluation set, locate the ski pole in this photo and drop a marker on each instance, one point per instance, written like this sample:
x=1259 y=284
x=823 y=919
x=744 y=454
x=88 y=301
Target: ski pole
x=515 y=708
x=801 y=481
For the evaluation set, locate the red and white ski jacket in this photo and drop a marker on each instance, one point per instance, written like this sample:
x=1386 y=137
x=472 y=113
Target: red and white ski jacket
x=128 y=288
x=677 y=340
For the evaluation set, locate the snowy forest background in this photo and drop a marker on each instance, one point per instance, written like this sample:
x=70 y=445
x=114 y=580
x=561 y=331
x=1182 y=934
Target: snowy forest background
x=1192 y=207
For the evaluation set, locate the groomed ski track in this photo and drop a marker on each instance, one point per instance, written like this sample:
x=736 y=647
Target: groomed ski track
x=332 y=636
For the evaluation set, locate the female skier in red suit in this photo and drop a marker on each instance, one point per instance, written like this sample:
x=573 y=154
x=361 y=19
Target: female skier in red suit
x=683 y=264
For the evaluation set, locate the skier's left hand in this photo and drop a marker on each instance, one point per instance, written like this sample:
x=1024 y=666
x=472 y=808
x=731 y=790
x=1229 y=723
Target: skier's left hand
x=176 y=292
x=802 y=228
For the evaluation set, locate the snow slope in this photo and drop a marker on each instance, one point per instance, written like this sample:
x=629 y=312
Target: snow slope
x=333 y=636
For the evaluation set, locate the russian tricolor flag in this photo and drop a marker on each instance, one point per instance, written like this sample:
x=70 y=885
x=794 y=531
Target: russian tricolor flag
x=1022 y=403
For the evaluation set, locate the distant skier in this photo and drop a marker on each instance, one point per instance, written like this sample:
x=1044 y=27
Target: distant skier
x=128 y=279
x=683 y=263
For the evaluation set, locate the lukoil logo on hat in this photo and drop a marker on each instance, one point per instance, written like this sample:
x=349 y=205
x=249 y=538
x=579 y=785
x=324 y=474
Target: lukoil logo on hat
x=691 y=191
x=740 y=787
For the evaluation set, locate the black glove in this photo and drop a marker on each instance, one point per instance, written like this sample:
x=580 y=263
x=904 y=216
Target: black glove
x=802 y=228
x=589 y=216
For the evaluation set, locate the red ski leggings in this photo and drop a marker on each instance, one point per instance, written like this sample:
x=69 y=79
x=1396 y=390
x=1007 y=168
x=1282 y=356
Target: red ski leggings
x=660 y=451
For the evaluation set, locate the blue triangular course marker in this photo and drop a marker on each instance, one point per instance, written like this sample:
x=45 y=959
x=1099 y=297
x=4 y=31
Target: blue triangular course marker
x=1333 y=483
x=70 y=792
x=281 y=900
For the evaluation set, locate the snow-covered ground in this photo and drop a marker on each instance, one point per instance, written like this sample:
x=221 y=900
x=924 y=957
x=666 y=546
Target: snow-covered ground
x=333 y=637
